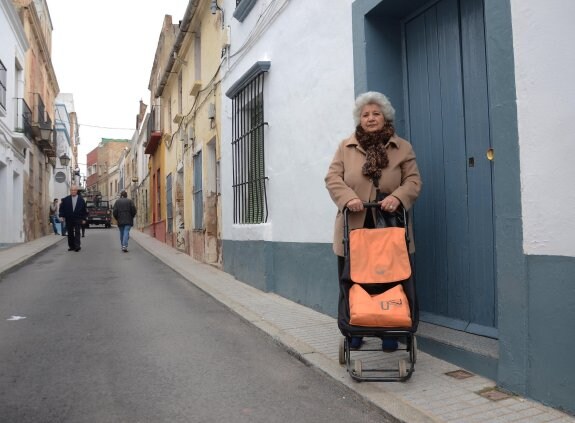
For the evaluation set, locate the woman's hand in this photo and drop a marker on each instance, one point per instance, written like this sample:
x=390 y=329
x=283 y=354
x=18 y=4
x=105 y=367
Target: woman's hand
x=355 y=205
x=389 y=204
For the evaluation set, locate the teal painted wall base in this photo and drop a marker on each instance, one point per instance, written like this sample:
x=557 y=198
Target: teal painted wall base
x=301 y=272
x=551 y=343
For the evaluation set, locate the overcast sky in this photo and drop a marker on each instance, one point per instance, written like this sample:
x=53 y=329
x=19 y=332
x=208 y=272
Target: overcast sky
x=102 y=53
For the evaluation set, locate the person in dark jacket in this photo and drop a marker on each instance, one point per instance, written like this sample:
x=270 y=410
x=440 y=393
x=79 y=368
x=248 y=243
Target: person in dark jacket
x=124 y=213
x=73 y=213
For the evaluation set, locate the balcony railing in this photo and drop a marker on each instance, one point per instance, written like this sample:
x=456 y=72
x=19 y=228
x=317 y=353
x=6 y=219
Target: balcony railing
x=154 y=123
x=42 y=129
x=153 y=130
x=23 y=118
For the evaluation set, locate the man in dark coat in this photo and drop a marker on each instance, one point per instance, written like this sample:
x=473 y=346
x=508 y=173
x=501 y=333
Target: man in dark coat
x=73 y=213
x=124 y=212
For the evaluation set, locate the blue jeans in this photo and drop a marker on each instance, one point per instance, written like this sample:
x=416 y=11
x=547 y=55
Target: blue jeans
x=124 y=234
x=54 y=220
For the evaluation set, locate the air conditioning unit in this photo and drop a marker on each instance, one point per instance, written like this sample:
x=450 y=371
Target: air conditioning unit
x=196 y=88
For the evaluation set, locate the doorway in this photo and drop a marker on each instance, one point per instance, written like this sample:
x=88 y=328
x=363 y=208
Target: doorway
x=447 y=115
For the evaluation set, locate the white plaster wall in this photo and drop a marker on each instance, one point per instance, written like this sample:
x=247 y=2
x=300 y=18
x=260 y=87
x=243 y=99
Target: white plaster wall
x=12 y=163
x=543 y=34
x=309 y=95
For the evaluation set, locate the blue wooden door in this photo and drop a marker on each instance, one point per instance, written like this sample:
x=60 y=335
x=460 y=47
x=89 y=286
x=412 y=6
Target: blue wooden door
x=448 y=124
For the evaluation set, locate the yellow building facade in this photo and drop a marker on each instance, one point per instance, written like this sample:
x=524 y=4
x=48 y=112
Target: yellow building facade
x=185 y=167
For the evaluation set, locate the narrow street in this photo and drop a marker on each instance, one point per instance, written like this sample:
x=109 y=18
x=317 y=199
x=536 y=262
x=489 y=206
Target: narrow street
x=105 y=336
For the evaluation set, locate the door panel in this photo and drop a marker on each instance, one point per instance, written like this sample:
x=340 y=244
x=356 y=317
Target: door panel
x=482 y=272
x=448 y=125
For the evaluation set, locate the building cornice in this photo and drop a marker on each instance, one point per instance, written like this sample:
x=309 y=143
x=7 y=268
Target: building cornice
x=15 y=23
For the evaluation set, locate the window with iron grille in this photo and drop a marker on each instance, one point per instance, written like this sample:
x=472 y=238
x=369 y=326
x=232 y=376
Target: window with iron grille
x=249 y=177
x=243 y=8
x=169 y=209
x=198 y=192
x=2 y=86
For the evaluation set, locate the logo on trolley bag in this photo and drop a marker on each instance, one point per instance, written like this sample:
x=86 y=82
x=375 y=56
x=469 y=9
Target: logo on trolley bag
x=380 y=270
x=386 y=305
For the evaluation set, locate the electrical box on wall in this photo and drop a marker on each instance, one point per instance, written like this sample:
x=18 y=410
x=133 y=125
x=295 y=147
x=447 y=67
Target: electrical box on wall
x=211 y=111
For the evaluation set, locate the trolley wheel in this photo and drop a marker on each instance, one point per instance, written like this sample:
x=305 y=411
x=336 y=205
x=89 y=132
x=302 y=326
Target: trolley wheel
x=342 y=349
x=357 y=370
x=402 y=368
x=413 y=350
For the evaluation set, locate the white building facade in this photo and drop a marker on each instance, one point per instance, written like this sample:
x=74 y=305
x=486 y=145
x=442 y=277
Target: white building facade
x=64 y=176
x=292 y=87
x=14 y=143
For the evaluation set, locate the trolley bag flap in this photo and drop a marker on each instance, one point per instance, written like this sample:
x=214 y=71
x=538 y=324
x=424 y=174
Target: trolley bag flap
x=378 y=255
x=389 y=309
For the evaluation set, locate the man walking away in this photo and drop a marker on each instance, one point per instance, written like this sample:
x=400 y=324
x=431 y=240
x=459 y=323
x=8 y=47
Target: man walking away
x=124 y=212
x=73 y=213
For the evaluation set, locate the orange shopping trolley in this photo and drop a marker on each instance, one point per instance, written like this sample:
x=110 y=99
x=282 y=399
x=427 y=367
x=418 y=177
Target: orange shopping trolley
x=377 y=297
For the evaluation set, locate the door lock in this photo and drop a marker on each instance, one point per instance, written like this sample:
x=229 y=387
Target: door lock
x=490 y=154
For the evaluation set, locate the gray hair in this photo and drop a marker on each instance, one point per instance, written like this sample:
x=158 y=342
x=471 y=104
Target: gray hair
x=373 y=97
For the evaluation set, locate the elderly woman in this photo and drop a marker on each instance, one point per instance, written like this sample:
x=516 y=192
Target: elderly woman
x=373 y=158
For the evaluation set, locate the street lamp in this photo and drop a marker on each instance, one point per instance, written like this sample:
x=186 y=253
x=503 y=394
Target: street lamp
x=64 y=160
x=46 y=133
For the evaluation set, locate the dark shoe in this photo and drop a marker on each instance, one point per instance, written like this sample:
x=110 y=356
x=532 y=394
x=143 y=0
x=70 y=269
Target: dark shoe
x=77 y=249
x=71 y=249
x=389 y=344
x=83 y=236
x=355 y=343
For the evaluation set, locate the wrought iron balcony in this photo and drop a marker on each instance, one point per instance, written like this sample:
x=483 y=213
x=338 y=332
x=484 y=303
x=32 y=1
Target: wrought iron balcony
x=153 y=130
x=40 y=119
x=23 y=118
x=41 y=127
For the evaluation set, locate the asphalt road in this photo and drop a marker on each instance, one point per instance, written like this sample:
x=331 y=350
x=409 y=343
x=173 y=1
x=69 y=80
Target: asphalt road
x=103 y=336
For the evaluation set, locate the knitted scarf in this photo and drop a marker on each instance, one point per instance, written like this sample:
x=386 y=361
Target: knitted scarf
x=374 y=145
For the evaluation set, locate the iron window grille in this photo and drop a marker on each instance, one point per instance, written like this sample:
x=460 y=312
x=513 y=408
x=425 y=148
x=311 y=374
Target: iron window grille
x=248 y=154
x=243 y=8
x=169 y=208
x=2 y=85
x=198 y=193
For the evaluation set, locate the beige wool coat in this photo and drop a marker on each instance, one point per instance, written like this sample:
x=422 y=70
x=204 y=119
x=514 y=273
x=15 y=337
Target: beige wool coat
x=345 y=181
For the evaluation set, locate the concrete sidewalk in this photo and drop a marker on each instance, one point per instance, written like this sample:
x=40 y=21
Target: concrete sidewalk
x=429 y=396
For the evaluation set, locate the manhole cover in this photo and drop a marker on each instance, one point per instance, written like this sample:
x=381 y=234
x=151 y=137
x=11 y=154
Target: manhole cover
x=459 y=374
x=494 y=394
